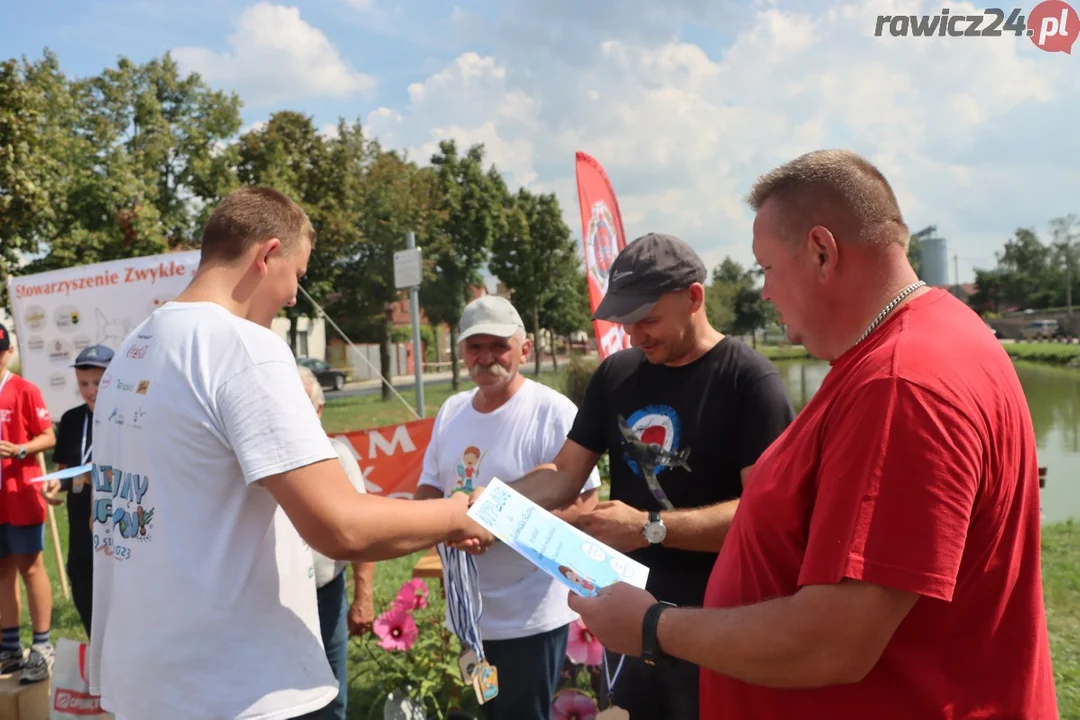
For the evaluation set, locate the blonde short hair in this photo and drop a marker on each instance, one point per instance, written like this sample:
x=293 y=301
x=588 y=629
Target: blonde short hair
x=251 y=215
x=837 y=189
x=312 y=387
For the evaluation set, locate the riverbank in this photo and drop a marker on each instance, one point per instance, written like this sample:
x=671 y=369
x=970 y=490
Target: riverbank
x=1061 y=354
x=1045 y=352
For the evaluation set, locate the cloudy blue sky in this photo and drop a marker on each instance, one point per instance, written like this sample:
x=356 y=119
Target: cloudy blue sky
x=684 y=102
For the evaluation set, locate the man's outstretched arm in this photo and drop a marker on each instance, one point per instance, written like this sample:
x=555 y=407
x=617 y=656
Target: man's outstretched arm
x=346 y=525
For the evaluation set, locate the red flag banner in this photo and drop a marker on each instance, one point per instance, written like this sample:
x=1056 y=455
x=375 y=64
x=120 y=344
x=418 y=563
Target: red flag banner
x=603 y=239
x=391 y=457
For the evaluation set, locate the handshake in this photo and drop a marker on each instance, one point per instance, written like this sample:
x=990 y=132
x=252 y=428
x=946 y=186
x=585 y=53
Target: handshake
x=469 y=536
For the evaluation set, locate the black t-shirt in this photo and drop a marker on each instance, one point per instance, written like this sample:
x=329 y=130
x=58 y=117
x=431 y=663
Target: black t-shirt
x=715 y=415
x=69 y=446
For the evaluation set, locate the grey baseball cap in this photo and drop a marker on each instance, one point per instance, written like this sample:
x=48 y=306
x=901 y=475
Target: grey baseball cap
x=645 y=270
x=490 y=315
x=96 y=356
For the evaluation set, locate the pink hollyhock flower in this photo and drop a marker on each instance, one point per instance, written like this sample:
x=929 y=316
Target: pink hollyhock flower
x=412 y=595
x=582 y=647
x=573 y=705
x=396 y=629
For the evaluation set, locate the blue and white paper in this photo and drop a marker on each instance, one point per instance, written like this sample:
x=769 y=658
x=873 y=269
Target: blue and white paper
x=64 y=474
x=575 y=559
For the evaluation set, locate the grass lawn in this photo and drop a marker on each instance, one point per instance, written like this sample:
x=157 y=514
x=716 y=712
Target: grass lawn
x=783 y=352
x=366 y=411
x=1061 y=570
x=1056 y=353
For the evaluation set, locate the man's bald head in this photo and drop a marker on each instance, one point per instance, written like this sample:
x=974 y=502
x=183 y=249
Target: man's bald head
x=838 y=190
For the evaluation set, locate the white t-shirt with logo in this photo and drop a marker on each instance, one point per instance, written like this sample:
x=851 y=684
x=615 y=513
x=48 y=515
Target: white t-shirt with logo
x=204 y=593
x=468 y=446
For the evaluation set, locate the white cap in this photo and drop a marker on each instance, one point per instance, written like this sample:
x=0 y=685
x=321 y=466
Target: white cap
x=490 y=315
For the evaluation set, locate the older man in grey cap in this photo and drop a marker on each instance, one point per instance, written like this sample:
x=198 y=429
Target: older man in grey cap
x=683 y=415
x=502 y=428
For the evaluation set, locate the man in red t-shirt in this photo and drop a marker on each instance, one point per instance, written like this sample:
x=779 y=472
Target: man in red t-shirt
x=25 y=430
x=884 y=561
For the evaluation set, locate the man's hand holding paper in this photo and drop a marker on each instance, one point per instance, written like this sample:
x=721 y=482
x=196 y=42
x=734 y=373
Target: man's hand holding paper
x=580 y=562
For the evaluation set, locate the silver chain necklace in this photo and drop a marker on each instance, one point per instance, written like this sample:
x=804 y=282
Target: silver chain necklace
x=888 y=308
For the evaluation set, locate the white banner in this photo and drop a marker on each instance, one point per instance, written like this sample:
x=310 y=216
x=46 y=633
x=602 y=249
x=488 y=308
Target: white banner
x=58 y=313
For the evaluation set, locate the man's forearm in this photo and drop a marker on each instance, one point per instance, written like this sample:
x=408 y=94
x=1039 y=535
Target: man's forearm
x=549 y=487
x=701 y=529
x=386 y=528
x=363 y=581
x=764 y=644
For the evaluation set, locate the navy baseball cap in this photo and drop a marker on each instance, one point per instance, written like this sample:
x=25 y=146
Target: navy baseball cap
x=5 y=339
x=644 y=271
x=95 y=356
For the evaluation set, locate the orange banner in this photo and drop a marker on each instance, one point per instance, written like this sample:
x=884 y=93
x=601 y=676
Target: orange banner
x=391 y=457
x=603 y=239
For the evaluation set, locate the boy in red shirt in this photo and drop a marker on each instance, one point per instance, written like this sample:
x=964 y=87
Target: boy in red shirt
x=25 y=430
x=884 y=561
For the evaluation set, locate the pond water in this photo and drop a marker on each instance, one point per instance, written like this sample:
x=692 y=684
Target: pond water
x=1053 y=396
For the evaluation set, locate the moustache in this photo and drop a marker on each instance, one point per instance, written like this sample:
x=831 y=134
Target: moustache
x=493 y=369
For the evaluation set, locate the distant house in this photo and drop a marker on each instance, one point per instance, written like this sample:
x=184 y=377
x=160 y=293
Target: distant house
x=964 y=291
x=401 y=354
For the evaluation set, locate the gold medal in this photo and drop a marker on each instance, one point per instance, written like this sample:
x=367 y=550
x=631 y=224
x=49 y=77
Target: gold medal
x=485 y=682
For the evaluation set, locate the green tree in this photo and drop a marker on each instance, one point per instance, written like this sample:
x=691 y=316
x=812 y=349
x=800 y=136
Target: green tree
x=733 y=301
x=567 y=309
x=289 y=155
x=533 y=253
x=36 y=112
x=1066 y=231
x=142 y=157
x=460 y=239
x=396 y=198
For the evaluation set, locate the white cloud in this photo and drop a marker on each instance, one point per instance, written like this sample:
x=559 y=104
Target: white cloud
x=683 y=130
x=275 y=56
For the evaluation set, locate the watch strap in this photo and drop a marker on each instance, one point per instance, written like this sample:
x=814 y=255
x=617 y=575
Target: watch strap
x=650 y=646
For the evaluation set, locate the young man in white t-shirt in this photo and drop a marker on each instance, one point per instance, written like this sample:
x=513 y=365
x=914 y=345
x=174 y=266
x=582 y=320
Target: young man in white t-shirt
x=503 y=428
x=204 y=594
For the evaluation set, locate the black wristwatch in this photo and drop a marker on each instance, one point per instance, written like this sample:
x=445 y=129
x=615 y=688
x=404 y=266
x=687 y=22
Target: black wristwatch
x=650 y=648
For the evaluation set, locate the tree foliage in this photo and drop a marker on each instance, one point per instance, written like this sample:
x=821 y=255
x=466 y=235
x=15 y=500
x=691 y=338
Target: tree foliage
x=460 y=236
x=733 y=301
x=535 y=256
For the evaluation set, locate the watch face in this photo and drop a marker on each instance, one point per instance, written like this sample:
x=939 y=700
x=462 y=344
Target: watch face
x=655 y=532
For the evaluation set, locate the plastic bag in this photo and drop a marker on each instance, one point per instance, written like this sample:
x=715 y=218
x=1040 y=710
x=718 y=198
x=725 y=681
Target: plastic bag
x=71 y=696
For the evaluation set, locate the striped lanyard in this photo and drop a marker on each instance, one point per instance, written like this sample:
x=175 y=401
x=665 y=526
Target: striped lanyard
x=84 y=452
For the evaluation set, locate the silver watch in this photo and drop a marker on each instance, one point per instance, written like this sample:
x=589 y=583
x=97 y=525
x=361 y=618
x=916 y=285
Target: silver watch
x=654 y=531
x=21 y=453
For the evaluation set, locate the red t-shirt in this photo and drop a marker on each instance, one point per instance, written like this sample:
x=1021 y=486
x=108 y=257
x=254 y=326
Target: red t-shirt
x=23 y=416
x=913 y=467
